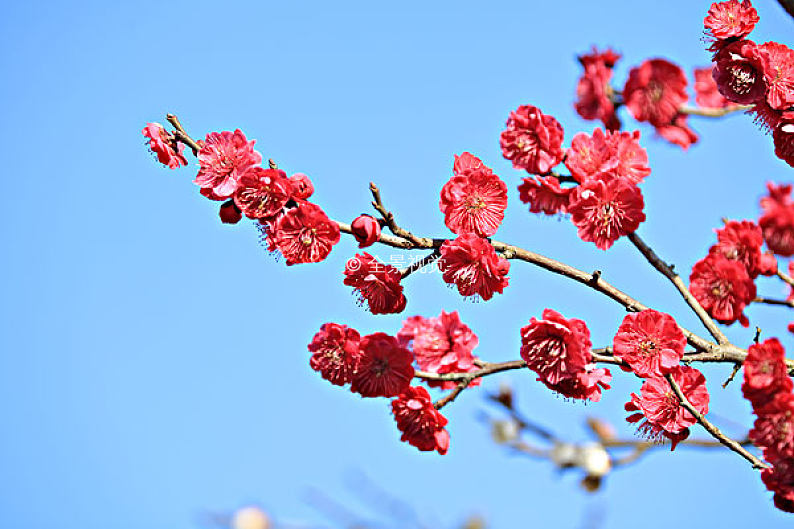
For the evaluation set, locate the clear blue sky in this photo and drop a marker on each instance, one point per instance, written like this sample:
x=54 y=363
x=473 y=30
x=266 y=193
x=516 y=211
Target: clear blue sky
x=153 y=362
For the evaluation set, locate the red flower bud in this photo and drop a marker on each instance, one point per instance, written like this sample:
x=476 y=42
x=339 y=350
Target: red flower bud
x=229 y=213
x=366 y=230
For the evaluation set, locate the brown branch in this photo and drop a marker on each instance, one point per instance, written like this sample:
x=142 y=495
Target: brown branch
x=788 y=5
x=388 y=218
x=770 y=301
x=785 y=277
x=421 y=263
x=713 y=430
x=443 y=401
x=713 y=112
x=181 y=135
x=667 y=271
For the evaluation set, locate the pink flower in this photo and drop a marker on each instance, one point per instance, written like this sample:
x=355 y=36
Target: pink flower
x=558 y=350
x=304 y=234
x=224 y=158
x=741 y=241
x=474 y=199
x=655 y=91
x=765 y=372
x=163 y=144
x=555 y=348
x=532 y=141
x=385 y=368
x=777 y=220
x=421 y=424
x=544 y=195
x=650 y=342
x=605 y=211
x=366 y=230
x=302 y=187
x=773 y=430
x=658 y=405
x=336 y=353
x=678 y=132
x=723 y=287
x=592 y=95
x=777 y=62
x=440 y=345
x=471 y=263
x=706 y=93
x=730 y=20
x=376 y=283
x=607 y=155
x=262 y=193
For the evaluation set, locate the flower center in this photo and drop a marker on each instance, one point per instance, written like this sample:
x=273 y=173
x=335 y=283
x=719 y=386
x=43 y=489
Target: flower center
x=743 y=77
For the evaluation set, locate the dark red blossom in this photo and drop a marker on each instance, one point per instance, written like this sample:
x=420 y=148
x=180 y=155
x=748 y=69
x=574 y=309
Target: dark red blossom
x=366 y=230
x=723 y=287
x=777 y=220
x=384 y=369
x=608 y=58
x=376 y=283
x=162 y=144
x=658 y=405
x=655 y=91
x=739 y=73
x=765 y=372
x=533 y=140
x=604 y=211
x=706 y=93
x=440 y=345
x=783 y=137
x=556 y=348
x=421 y=424
x=336 y=353
x=302 y=187
x=544 y=195
x=474 y=199
x=730 y=20
x=773 y=430
x=305 y=234
x=230 y=213
x=262 y=193
x=472 y=264
x=741 y=241
x=777 y=62
x=224 y=158
x=780 y=480
x=651 y=343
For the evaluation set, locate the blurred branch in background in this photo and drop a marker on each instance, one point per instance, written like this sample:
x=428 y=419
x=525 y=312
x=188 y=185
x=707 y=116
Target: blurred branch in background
x=788 y=5
x=595 y=458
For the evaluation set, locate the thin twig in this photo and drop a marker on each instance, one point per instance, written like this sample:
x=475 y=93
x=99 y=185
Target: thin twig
x=713 y=112
x=388 y=218
x=181 y=135
x=785 y=277
x=713 y=430
x=770 y=301
x=667 y=271
x=421 y=263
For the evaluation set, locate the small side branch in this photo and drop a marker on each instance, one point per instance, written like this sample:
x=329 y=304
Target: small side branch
x=713 y=430
x=181 y=135
x=713 y=112
x=388 y=218
x=785 y=277
x=421 y=263
x=770 y=301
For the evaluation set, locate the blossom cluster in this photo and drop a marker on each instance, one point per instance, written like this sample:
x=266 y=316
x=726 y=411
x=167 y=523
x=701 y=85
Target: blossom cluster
x=769 y=389
x=380 y=365
x=746 y=73
x=654 y=92
x=607 y=166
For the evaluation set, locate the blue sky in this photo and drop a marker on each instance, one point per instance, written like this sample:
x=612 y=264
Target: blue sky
x=153 y=362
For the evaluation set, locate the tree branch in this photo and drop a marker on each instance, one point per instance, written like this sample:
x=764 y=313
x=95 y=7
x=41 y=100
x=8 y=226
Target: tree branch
x=713 y=430
x=713 y=112
x=667 y=271
x=769 y=301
